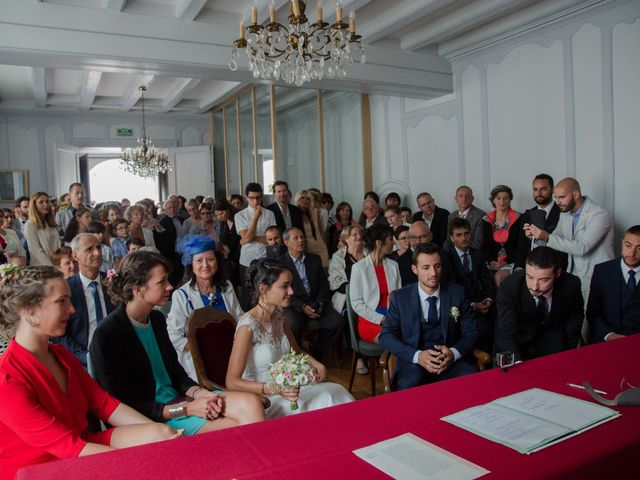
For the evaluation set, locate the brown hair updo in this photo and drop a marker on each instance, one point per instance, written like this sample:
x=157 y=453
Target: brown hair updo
x=134 y=272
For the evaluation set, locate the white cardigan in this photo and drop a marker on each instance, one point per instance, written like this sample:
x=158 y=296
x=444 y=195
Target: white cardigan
x=363 y=288
x=41 y=242
x=184 y=301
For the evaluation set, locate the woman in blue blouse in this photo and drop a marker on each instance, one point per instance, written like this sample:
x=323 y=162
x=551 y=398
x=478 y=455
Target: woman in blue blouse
x=206 y=287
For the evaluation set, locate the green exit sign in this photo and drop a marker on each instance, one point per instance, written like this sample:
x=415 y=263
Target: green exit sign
x=124 y=132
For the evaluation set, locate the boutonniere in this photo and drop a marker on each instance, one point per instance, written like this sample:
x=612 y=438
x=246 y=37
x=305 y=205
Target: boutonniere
x=454 y=313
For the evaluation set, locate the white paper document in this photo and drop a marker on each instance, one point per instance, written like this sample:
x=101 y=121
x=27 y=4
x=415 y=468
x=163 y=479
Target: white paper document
x=531 y=420
x=408 y=457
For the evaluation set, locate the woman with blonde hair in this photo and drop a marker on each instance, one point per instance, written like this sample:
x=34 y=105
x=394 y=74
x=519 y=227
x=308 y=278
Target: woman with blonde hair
x=40 y=230
x=313 y=232
x=135 y=215
x=45 y=392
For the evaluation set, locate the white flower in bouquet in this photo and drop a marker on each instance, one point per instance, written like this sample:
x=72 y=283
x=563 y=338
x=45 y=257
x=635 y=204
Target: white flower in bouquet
x=292 y=370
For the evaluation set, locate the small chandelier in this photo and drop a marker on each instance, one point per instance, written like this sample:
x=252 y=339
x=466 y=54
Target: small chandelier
x=301 y=52
x=144 y=160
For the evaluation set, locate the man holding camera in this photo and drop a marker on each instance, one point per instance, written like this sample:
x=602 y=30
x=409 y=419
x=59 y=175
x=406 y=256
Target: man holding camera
x=310 y=307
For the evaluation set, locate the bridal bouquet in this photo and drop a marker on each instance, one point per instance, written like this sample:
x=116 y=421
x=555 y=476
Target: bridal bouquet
x=293 y=370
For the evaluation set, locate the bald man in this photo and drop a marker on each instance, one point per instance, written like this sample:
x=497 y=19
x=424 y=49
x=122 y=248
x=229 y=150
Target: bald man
x=584 y=231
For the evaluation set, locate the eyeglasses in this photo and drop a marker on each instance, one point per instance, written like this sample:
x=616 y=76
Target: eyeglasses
x=257 y=197
x=419 y=237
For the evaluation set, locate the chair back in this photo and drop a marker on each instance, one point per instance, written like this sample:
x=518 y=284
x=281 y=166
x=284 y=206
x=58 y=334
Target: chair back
x=210 y=339
x=351 y=319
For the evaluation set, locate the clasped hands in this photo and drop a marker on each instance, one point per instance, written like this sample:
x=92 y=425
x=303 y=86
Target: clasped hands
x=207 y=405
x=436 y=360
x=535 y=233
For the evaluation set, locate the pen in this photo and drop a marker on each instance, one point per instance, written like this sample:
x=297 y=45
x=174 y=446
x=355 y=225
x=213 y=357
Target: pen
x=573 y=385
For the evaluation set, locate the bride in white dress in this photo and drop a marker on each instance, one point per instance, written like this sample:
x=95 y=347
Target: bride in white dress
x=263 y=336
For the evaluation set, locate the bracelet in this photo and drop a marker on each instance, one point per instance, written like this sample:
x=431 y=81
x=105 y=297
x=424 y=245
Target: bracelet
x=177 y=411
x=196 y=390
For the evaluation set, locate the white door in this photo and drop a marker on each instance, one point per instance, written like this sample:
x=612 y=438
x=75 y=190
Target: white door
x=66 y=167
x=191 y=171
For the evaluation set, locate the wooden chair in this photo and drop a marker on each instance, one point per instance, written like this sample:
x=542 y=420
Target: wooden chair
x=366 y=350
x=210 y=339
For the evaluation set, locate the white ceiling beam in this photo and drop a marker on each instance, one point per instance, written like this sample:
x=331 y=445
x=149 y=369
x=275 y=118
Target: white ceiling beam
x=115 y=5
x=458 y=21
x=131 y=99
x=39 y=83
x=177 y=93
x=188 y=10
x=387 y=20
x=88 y=94
x=223 y=90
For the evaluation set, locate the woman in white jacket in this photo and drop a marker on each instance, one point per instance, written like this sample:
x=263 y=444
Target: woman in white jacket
x=372 y=280
x=206 y=287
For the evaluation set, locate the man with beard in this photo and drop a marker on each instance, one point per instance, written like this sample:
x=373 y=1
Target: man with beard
x=545 y=215
x=540 y=309
x=613 y=309
x=584 y=232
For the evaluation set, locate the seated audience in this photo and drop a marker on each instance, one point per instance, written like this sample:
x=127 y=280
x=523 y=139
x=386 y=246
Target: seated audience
x=501 y=230
x=407 y=216
x=263 y=336
x=392 y=200
x=613 y=309
x=436 y=218
x=371 y=214
x=134 y=360
x=63 y=260
x=392 y=214
x=468 y=268
x=119 y=237
x=309 y=307
x=351 y=251
x=540 y=308
x=40 y=230
x=372 y=280
x=401 y=241
x=206 y=287
x=79 y=223
x=134 y=244
x=135 y=215
x=429 y=326
x=312 y=228
x=418 y=233
x=46 y=394
x=10 y=242
x=192 y=208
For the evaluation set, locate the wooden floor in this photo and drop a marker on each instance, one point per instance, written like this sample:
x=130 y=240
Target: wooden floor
x=339 y=368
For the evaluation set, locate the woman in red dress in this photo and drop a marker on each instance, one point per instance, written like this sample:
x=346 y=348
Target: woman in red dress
x=45 y=392
x=372 y=280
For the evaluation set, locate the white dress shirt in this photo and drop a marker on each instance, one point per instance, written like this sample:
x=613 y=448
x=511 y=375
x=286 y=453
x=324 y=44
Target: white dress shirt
x=253 y=250
x=91 y=306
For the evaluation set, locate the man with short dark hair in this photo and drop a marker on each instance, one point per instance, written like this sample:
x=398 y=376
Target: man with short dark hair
x=613 y=309
x=429 y=326
x=392 y=214
x=89 y=297
x=67 y=212
x=435 y=217
x=418 y=233
x=287 y=215
x=166 y=241
x=22 y=206
x=310 y=307
x=540 y=309
x=545 y=215
x=469 y=269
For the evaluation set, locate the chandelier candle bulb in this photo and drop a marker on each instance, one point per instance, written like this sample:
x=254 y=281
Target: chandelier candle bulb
x=272 y=12
x=254 y=15
x=295 y=7
x=242 y=28
x=352 y=21
x=338 y=12
x=319 y=11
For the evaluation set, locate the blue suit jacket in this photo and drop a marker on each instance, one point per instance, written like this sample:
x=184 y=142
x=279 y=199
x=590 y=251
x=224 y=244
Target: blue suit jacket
x=76 y=337
x=401 y=328
x=604 y=307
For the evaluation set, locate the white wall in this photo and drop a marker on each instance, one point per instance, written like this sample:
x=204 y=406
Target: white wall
x=28 y=141
x=563 y=99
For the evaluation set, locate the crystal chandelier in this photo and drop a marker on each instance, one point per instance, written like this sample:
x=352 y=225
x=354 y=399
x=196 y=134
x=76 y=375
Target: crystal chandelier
x=302 y=52
x=144 y=160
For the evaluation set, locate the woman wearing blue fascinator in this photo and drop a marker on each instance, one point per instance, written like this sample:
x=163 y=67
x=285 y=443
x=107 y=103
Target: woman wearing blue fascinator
x=206 y=286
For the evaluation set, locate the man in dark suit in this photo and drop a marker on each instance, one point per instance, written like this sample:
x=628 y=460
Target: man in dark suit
x=435 y=217
x=544 y=215
x=310 y=307
x=287 y=215
x=166 y=241
x=469 y=269
x=540 y=309
x=429 y=326
x=418 y=233
x=613 y=309
x=371 y=214
x=466 y=209
x=88 y=296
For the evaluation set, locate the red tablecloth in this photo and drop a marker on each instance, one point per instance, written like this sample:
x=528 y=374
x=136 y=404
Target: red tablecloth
x=319 y=444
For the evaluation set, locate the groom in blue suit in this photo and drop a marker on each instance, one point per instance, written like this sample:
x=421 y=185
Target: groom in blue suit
x=429 y=326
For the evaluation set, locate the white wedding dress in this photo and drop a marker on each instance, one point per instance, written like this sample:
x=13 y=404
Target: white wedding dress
x=269 y=343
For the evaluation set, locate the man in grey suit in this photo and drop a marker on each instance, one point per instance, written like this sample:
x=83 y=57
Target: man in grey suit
x=466 y=209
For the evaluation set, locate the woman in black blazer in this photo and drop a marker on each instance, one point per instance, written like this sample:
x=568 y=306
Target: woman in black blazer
x=134 y=360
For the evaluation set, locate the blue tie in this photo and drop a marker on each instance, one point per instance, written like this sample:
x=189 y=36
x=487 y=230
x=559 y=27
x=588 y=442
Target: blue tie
x=96 y=300
x=432 y=312
x=631 y=283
